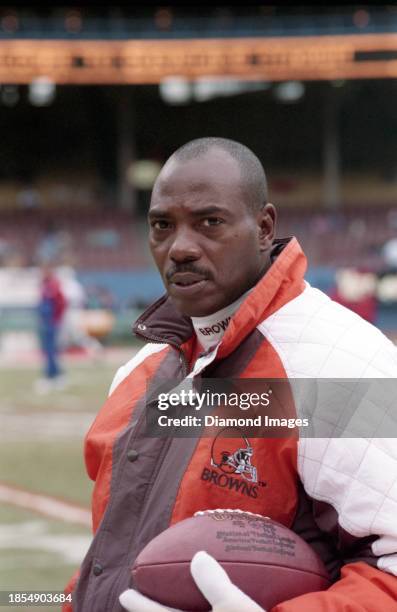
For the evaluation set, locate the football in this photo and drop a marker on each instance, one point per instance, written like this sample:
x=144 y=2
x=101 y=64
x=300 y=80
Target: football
x=265 y=559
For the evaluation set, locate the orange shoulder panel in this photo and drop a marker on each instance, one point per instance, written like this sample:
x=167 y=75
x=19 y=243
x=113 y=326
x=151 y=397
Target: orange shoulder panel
x=283 y=282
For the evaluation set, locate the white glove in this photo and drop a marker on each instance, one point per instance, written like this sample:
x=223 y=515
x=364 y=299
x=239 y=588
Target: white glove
x=212 y=581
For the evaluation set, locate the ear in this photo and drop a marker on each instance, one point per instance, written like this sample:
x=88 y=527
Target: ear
x=267 y=217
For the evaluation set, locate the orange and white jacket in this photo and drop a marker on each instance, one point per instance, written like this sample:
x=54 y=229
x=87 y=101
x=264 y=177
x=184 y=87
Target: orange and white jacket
x=340 y=494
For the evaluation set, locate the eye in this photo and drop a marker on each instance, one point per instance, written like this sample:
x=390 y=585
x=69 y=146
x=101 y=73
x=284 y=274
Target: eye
x=160 y=224
x=212 y=221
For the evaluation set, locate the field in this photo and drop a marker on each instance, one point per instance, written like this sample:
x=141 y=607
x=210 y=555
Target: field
x=41 y=452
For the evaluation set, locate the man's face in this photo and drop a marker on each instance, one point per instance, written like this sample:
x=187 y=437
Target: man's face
x=208 y=245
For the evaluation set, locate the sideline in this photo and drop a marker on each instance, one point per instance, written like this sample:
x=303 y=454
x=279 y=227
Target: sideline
x=45 y=505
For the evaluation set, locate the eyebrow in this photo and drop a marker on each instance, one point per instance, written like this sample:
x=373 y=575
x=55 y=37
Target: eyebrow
x=207 y=210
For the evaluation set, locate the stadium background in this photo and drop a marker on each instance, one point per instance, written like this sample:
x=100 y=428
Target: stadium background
x=84 y=132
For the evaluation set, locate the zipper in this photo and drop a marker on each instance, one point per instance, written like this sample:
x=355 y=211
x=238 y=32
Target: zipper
x=141 y=327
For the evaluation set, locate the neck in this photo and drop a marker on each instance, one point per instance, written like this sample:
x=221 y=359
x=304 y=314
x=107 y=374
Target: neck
x=210 y=329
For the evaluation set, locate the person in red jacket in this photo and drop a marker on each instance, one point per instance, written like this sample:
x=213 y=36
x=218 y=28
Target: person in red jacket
x=51 y=308
x=237 y=306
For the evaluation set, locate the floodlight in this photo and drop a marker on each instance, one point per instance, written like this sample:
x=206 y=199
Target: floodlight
x=41 y=91
x=290 y=91
x=175 y=90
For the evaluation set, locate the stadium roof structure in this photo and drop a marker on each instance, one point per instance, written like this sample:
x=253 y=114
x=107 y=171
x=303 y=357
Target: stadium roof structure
x=185 y=22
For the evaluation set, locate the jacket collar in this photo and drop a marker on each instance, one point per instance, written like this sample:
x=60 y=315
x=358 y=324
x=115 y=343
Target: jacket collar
x=283 y=281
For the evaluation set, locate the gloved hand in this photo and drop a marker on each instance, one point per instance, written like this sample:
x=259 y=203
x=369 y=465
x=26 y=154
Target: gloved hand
x=212 y=581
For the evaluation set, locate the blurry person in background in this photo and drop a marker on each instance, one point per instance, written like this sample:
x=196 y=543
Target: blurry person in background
x=72 y=332
x=51 y=308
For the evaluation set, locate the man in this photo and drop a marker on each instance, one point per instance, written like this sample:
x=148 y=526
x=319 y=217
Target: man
x=237 y=306
x=51 y=309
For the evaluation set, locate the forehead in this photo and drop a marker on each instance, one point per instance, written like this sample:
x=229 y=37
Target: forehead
x=215 y=175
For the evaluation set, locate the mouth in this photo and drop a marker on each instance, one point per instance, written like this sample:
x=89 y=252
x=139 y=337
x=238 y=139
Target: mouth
x=184 y=279
x=186 y=283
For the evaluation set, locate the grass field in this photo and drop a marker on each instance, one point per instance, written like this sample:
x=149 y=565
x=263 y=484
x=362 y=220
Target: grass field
x=41 y=451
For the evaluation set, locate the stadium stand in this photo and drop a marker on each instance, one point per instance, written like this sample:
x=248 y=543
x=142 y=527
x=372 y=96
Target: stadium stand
x=88 y=239
x=93 y=239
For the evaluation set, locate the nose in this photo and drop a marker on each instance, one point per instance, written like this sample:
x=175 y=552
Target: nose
x=184 y=248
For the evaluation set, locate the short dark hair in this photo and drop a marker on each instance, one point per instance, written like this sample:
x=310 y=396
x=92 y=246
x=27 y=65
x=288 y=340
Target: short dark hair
x=253 y=177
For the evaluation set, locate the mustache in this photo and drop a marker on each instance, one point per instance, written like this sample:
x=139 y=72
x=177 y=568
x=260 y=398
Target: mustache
x=188 y=267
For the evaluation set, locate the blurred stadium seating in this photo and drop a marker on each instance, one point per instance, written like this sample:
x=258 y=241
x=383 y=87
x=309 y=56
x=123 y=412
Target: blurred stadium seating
x=109 y=251
x=94 y=239
x=113 y=240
